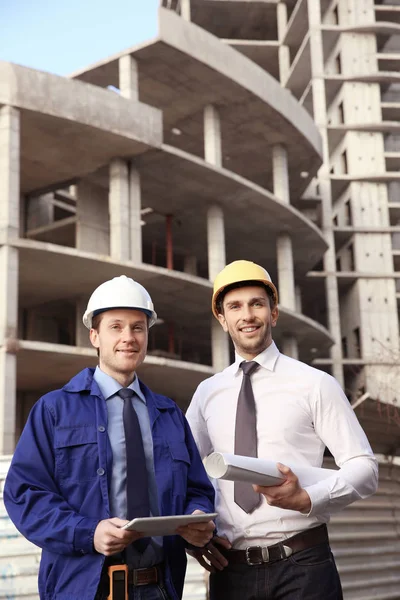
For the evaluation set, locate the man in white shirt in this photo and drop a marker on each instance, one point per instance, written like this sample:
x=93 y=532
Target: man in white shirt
x=276 y=547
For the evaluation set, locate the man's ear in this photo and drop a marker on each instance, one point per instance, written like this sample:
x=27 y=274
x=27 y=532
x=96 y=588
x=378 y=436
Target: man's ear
x=94 y=338
x=222 y=321
x=274 y=316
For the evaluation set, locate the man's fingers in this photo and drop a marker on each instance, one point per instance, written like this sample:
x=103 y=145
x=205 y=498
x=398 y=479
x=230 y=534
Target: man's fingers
x=217 y=559
x=222 y=542
x=206 y=565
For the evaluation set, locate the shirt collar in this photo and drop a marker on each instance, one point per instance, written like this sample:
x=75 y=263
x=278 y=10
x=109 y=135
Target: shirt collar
x=110 y=387
x=266 y=359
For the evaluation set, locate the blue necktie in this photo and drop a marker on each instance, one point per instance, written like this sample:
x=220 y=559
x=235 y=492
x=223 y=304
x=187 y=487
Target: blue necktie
x=246 y=436
x=137 y=484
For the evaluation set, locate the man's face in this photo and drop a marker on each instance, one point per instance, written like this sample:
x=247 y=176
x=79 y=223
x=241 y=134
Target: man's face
x=248 y=318
x=121 y=338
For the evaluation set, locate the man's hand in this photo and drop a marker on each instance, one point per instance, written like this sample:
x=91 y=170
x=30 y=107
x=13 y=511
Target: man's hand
x=210 y=557
x=288 y=494
x=197 y=534
x=110 y=539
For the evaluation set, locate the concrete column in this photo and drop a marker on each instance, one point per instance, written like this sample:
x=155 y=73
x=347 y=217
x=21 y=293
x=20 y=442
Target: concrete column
x=298 y=299
x=215 y=233
x=280 y=173
x=81 y=332
x=135 y=204
x=128 y=77
x=190 y=265
x=216 y=262
x=212 y=136
x=219 y=346
x=119 y=210
x=283 y=51
x=284 y=253
x=9 y=172
x=92 y=227
x=290 y=346
x=8 y=344
x=320 y=117
x=185 y=9
x=216 y=241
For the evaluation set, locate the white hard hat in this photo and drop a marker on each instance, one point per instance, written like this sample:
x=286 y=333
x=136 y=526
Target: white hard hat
x=119 y=292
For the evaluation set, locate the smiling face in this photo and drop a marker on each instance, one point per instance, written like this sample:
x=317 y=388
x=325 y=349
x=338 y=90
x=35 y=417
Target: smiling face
x=248 y=318
x=121 y=339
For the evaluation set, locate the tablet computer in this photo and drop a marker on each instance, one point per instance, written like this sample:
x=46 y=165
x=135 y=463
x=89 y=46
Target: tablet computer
x=151 y=526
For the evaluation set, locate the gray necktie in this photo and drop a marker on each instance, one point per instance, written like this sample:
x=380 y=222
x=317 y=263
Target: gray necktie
x=137 y=485
x=246 y=436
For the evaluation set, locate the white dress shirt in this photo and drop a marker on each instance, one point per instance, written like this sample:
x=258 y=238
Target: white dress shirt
x=300 y=410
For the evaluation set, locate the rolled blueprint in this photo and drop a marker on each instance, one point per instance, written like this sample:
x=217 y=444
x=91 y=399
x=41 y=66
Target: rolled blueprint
x=259 y=471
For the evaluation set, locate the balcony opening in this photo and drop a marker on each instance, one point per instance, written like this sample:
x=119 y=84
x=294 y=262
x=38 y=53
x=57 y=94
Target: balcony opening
x=338 y=65
x=357 y=342
x=344 y=163
x=341 y=113
x=350 y=250
x=348 y=217
x=345 y=349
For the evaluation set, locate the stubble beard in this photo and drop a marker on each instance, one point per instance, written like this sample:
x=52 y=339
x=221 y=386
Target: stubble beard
x=253 y=346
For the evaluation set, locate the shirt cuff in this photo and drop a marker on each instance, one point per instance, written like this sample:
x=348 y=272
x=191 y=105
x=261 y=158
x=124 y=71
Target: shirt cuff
x=319 y=496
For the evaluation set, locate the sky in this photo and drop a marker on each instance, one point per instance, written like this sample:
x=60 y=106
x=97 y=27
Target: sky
x=62 y=36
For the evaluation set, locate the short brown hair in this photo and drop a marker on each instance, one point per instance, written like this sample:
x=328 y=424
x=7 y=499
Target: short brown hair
x=234 y=286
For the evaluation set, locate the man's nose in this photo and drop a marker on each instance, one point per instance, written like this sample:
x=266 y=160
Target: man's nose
x=247 y=312
x=128 y=334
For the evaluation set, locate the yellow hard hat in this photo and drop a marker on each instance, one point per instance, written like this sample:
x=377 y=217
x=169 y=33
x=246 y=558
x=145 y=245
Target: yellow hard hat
x=236 y=272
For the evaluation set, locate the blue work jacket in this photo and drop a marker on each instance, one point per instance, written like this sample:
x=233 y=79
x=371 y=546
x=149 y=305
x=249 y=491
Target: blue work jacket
x=57 y=488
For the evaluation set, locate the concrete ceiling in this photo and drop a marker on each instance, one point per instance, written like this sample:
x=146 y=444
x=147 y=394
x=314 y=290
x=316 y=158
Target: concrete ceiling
x=69 y=129
x=184 y=186
x=238 y=19
x=51 y=273
x=186 y=68
x=174 y=379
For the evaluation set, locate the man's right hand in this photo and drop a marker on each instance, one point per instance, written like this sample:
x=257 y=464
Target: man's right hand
x=210 y=557
x=110 y=539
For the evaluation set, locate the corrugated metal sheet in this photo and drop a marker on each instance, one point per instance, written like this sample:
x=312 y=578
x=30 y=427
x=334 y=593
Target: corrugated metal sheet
x=365 y=539
x=19 y=559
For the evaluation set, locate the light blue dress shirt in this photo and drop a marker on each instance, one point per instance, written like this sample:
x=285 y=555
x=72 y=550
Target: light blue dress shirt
x=109 y=388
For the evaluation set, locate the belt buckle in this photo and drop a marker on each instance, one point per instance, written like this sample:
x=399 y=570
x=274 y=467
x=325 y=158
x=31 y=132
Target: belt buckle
x=264 y=555
x=288 y=551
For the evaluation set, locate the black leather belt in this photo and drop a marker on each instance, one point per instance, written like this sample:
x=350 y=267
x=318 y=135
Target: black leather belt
x=258 y=555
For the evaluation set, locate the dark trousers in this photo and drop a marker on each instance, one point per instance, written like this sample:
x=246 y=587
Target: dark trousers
x=306 y=575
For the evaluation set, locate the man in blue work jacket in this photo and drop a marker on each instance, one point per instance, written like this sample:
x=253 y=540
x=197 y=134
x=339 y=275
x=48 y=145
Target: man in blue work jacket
x=67 y=487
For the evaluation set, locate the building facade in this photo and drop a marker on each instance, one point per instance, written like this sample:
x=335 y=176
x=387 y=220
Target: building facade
x=263 y=129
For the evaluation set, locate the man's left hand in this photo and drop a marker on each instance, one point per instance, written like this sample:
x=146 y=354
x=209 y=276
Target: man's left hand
x=289 y=494
x=197 y=534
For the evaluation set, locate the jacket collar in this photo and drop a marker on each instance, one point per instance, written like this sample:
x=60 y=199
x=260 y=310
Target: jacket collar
x=84 y=382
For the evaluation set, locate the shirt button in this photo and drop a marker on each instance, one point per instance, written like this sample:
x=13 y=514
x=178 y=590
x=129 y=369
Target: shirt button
x=101 y=428
x=248 y=531
x=100 y=471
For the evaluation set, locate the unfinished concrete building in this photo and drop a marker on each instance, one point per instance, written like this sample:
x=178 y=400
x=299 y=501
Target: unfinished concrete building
x=258 y=129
